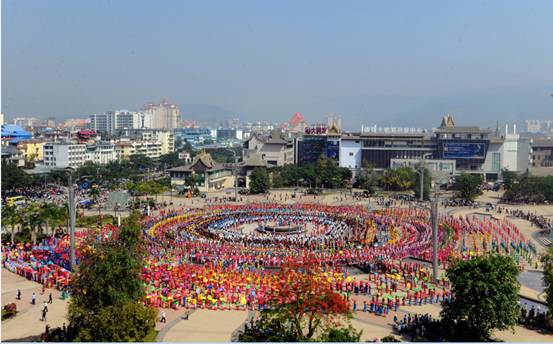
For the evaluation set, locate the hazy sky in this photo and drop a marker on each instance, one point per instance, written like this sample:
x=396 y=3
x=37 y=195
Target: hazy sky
x=397 y=62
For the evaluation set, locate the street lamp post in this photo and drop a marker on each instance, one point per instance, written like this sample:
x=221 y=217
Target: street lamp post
x=421 y=173
x=235 y=173
x=72 y=219
x=435 y=238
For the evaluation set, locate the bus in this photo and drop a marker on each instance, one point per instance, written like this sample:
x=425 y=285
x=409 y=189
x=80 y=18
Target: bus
x=16 y=200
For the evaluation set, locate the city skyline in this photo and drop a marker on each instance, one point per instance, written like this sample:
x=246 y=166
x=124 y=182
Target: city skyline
x=370 y=63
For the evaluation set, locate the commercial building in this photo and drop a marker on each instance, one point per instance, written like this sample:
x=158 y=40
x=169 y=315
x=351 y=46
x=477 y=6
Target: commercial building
x=318 y=141
x=467 y=145
x=163 y=115
x=209 y=175
x=444 y=168
x=451 y=148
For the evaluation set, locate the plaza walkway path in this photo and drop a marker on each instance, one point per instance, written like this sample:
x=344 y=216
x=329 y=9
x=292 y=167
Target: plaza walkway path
x=203 y=326
x=27 y=324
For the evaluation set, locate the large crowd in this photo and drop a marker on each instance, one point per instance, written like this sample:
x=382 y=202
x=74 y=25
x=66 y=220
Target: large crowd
x=539 y=221
x=202 y=257
x=56 y=194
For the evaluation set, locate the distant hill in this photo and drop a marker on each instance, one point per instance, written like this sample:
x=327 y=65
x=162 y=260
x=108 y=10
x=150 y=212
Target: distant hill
x=205 y=112
x=480 y=107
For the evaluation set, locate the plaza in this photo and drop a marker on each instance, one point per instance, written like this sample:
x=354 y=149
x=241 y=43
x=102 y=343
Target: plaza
x=220 y=322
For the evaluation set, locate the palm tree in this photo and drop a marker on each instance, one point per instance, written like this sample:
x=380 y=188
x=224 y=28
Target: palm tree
x=33 y=218
x=11 y=217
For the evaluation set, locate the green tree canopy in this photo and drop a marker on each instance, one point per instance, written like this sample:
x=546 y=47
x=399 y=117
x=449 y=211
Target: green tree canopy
x=106 y=304
x=530 y=189
x=547 y=261
x=485 y=298
x=427 y=184
x=14 y=176
x=468 y=186
x=398 y=179
x=259 y=181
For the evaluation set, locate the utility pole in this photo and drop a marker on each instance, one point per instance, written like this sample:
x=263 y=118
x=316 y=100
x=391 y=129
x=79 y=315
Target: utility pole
x=434 y=214
x=72 y=218
x=235 y=173
x=421 y=173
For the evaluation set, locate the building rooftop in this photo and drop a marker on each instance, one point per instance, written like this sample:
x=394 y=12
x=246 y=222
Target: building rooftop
x=202 y=161
x=468 y=130
x=542 y=143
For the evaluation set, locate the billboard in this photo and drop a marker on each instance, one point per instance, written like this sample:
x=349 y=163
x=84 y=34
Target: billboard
x=464 y=150
x=333 y=150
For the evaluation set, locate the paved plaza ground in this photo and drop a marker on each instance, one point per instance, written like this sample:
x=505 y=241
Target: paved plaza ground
x=207 y=325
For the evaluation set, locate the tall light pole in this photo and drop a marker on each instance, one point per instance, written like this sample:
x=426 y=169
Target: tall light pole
x=72 y=218
x=434 y=214
x=235 y=172
x=421 y=173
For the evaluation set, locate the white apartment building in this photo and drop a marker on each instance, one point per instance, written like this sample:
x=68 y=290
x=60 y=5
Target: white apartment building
x=63 y=155
x=74 y=155
x=101 y=153
x=120 y=119
x=165 y=137
x=125 y=148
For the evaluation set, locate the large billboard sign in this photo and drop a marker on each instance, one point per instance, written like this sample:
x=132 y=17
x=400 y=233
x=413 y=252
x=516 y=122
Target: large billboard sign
x=464 y=150
x=333 y=150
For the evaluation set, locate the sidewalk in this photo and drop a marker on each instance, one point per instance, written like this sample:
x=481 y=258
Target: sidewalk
x=27 y=324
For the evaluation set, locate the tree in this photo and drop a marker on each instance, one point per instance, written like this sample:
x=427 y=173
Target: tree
x=11 y=217
x=170 y=160
x=341 y=335
x=485 y=295
x=14 y=176
x=427 y=184
x=141 y=161
x=468 y=186
x=178 y=142
x=366 y=179
x=106 y=304
x=193 y=180
x=510 y=178
x=306 y=306
x=547 y=261
x=531 y=189
x=398 y=179
x=259 y=181
x=390 y=339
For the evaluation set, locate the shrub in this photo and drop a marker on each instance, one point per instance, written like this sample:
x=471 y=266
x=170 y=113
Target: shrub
x=9 y=311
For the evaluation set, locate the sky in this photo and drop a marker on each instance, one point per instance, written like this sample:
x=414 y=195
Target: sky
x=382 y=62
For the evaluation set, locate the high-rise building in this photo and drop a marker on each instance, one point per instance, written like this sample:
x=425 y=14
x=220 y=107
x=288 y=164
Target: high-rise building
x=101 y=123
x=119 y=119
x=164 y=115
x=26 y=122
